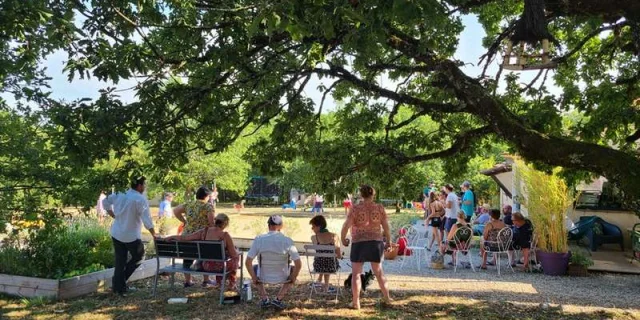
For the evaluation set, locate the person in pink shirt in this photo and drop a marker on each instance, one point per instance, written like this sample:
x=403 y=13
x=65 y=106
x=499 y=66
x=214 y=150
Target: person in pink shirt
x=368 y=222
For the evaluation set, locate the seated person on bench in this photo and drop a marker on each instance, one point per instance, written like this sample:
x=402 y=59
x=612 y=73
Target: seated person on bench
x=274 y=251
x=216 y=232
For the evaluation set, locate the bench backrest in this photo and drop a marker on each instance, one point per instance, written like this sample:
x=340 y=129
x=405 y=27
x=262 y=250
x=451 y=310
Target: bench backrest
x=201 y=250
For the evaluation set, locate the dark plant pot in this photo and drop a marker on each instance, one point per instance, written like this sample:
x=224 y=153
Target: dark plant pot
x=554 y=263
x=577 y=271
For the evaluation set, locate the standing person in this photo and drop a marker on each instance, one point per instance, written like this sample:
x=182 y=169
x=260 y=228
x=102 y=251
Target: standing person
x=129 y=211
x=214 y=197
x=164 y=208
x=324 y=266
x=368 y=222
x=100 y=211
x=506 y=215
x=451 y=208
x=195 y=215
x=468 y=200
x=435 y=219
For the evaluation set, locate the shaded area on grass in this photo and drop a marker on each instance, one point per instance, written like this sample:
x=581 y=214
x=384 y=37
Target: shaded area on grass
x=203 y=304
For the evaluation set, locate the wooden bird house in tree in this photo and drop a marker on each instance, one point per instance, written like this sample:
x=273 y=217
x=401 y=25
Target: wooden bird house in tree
x=528 y=46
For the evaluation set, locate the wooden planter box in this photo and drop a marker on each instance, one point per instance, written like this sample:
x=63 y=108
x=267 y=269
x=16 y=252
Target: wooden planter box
x=71 y=287
x=577 y=271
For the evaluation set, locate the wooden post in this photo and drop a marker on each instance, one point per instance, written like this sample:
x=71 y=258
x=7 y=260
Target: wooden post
x=545 y=51
x=521 y=59
x=507 y=57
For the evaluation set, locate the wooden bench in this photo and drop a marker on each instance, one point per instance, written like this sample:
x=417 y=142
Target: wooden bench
x=193 y=250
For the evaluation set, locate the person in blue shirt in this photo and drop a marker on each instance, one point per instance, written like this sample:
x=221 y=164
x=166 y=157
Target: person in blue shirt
x=468 y=200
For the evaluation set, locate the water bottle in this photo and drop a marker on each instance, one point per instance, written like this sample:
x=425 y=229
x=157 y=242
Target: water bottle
x=246 y=290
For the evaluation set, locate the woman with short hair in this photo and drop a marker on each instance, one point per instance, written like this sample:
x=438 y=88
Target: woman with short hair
x=324 y=266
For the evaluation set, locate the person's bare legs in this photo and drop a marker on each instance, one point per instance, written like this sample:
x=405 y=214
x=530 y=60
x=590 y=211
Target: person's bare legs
x=434 y=235
x=382 y=281
x=283 y=291
x=525 y=254
x=484 y=258
x=356 y=270
x=262 y=291
x=326 y=282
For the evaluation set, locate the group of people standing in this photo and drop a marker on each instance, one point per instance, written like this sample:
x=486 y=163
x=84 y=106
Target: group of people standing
x=443 y=210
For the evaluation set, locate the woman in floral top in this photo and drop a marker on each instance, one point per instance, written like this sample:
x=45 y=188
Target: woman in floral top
x=196 y=215
x=369 y=227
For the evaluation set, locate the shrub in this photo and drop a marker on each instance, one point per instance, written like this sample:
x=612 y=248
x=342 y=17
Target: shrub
x=60 y=251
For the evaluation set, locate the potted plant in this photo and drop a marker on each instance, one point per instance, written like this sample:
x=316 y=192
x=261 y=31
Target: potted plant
x=579 y=263
x=546 y=198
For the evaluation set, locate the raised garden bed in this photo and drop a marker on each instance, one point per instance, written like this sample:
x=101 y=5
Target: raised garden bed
x=71 y=287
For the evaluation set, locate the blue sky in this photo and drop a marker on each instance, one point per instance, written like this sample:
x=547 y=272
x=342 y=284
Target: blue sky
x=469 y=50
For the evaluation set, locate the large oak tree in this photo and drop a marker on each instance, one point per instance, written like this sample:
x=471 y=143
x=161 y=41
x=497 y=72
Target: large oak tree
x=209 y=69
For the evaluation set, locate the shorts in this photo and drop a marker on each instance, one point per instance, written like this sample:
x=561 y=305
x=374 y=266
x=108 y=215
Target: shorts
x=367 y=251
x=449 y=223
x=346 y=204
x=435 y=222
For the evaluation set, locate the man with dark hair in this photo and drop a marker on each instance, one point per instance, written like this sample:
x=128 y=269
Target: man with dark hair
x=129 y=211
x=506 y=215
x=274 y=250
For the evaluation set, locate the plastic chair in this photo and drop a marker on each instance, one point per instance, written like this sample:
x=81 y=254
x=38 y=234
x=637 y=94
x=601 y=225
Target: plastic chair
x=290 y=205
x=418 y=249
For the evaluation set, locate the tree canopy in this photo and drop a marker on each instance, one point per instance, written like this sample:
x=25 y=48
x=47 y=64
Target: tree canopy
x=207 y=70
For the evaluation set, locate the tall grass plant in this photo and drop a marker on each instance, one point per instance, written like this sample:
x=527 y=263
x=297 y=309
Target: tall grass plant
x=547 y=199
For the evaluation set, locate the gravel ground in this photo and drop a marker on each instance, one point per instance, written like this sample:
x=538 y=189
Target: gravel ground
x=577 y=293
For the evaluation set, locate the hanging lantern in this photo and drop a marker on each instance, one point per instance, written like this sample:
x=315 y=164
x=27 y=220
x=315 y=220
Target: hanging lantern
x=520 y=58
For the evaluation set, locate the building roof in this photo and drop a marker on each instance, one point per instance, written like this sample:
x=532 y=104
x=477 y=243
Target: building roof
x=497 y=169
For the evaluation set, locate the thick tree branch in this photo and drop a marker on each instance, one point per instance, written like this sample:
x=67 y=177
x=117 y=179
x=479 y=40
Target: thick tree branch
x=462 y=142
x=342 y=73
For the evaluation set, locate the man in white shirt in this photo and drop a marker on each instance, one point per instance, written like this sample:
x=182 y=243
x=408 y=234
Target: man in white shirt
x=274 y=251
x=451 y=208
x=129 y=211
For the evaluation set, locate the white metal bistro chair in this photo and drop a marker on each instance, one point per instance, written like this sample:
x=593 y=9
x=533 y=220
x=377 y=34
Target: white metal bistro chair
x=320 y=251
x=500 y=246
x=417 y=245
x=463 y=240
